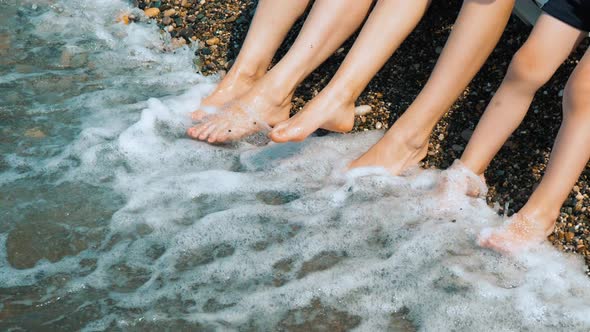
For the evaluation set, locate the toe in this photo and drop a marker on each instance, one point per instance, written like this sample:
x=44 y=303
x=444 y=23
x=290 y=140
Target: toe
x=209 y=128
x=195 y=131
x=217 y=135
x=277 y=134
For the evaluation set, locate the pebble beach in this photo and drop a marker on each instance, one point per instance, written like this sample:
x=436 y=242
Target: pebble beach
x=218 y=28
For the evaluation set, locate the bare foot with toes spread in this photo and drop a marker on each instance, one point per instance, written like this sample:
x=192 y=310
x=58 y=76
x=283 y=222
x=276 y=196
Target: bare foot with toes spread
x=253 y=112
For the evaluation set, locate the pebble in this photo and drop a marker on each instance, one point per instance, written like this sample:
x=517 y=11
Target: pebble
x=362 y=110
x=212 y=41
x=166 y=20
x=151 y=12
x=457 y=147
x=378 y=125
x=438 y=50
x=170 y=12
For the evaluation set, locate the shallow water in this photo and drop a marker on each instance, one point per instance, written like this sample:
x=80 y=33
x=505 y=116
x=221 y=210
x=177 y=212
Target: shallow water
x=112 y=220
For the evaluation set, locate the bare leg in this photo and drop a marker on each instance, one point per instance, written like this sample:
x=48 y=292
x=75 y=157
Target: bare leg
x=549 y=44
x=327 y=27
x=333 y=109
x=571 y=151
x=475 y=34
x=255 y=56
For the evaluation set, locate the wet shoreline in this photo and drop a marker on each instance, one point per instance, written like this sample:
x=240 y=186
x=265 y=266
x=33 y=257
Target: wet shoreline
x=113 y=220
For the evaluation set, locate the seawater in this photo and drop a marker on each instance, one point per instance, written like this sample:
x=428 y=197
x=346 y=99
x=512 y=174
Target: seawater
x=111 y=219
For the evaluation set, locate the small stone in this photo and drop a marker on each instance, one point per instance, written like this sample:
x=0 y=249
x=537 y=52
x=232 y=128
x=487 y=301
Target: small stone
x=378 y=125
x=186 y=4
x=441 y=137
x=166 y=20
x=362 y=110
x=124 y=19
x=35 y=133
x=187 y=33
x=438 y=50
x=560 y=93
x=151 y=12
x=212 y=41
x=457 y=147
x=178 y=42
x=170 y=12
x=569 y=236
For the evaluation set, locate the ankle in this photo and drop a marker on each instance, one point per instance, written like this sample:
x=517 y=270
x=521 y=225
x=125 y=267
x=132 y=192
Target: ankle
x=345 y=95
x=409 y=138
x=542 y=217
x=246 y=72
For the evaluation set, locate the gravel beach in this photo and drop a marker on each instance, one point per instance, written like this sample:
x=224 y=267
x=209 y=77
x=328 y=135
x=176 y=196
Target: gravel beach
x=219 y=27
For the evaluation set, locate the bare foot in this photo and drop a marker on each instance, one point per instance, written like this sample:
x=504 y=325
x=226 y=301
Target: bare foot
x=456 y=187
x=255 y=111
x=231 y=87
x=458 y=179
x=393 y=153
x=517 y=234
x=329 y=110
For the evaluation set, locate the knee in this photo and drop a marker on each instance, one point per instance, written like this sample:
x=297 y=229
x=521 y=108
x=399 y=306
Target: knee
x=527 y=69
x=576 y=95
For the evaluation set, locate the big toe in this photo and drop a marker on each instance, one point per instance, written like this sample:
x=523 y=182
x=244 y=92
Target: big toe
x=279 y=132
x=195 y=131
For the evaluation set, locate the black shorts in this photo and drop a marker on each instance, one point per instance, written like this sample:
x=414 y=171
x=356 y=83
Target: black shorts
x=573 y=12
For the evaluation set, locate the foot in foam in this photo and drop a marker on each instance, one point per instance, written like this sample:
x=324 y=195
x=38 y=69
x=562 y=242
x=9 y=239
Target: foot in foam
x=458 y=179
x=457 y=186
x=327 y=111
x=253 y=112
x=517 y=234
x=393 y=153
x=231 y=87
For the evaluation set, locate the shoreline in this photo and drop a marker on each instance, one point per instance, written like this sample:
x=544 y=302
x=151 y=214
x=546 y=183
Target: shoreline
x=220 y=27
